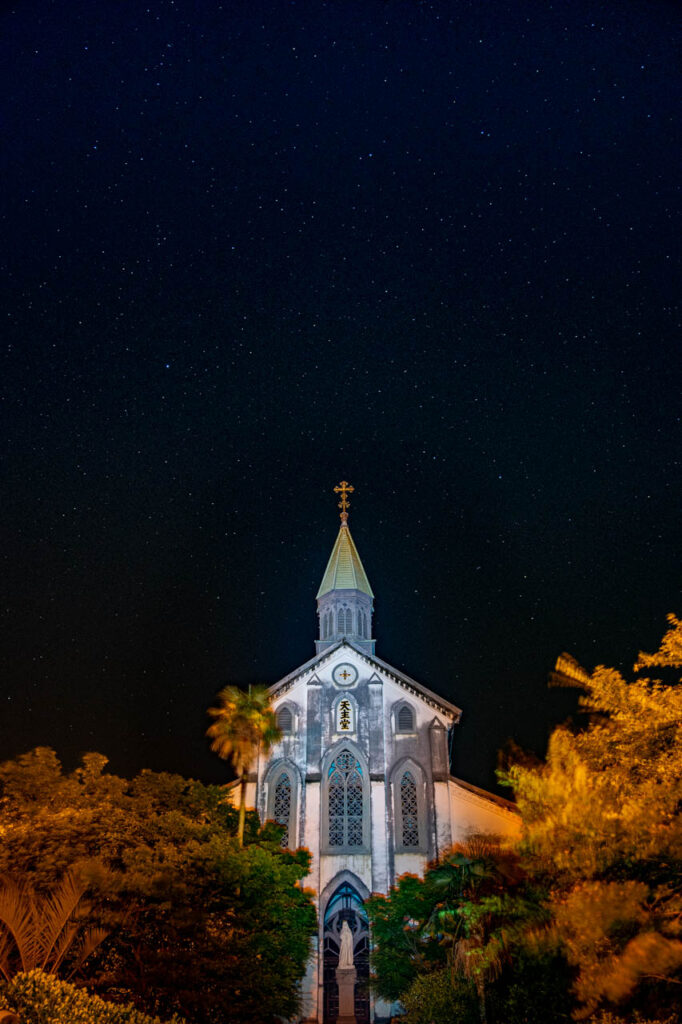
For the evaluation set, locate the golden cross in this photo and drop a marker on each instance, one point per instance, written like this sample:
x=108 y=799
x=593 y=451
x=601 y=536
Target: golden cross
x=343 y=489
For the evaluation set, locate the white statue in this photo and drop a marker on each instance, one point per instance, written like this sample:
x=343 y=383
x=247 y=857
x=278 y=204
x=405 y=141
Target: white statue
x=346 y=954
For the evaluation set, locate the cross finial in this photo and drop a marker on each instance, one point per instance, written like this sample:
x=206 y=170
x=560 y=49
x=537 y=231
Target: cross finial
x=344 y=489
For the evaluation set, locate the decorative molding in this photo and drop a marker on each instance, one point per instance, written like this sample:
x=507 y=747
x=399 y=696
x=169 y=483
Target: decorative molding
x=444 y=707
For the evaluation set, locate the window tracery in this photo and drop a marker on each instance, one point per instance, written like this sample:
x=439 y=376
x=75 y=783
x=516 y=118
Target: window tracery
x=346 y=801
x=409 y=811
x=282 y=805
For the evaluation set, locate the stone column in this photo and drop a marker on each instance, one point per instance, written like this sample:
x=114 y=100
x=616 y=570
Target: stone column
x=345 y=977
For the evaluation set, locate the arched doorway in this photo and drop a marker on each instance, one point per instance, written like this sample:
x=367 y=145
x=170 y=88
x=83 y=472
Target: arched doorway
x=346 y=905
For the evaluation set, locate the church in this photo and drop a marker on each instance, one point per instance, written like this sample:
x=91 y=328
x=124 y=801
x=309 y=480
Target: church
x=361 y=778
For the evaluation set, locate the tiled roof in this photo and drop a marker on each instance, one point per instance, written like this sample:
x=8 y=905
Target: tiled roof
x=344 y=570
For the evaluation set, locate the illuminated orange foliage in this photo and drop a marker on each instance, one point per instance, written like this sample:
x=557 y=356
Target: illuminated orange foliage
x=601 y=820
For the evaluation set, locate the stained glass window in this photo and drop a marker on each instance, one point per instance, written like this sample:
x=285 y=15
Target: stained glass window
x=346 y=803
x=408 y=810
x=282 y=805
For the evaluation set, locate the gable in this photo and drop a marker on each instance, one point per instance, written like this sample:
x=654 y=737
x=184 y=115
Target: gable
x=321 y=670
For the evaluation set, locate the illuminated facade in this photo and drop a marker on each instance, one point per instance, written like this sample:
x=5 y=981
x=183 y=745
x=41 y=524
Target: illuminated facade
x=361 y=777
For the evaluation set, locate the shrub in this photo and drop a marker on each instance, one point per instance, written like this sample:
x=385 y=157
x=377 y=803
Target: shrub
x=440 y=998
x=41 y=998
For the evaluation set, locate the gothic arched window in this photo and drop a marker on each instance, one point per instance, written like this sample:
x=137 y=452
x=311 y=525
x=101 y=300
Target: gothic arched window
x=409 y=808
x=346 y=801
x=282 y=794
x=409 y=812
x=285 y=720
x=405 y=719
x=282 y=805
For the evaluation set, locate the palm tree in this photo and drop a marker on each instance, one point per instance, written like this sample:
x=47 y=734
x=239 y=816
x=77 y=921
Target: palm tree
x=476 y=916
x=39 y=931
x=244 y=722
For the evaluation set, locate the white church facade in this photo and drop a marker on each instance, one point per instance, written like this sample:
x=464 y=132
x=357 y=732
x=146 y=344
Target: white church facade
x=361 y=778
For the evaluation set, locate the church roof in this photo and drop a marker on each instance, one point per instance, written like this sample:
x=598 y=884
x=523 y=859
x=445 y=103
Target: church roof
x=344 y=570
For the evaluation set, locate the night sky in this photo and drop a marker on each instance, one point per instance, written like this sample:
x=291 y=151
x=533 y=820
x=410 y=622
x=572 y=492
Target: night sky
x=251 y=249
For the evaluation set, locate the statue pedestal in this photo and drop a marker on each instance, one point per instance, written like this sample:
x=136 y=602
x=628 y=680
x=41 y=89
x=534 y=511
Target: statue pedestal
x=345 y=978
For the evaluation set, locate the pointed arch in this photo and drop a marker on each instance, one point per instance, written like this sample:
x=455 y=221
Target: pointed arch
x=404 y=717
x=344 y=877
x=282 y=795
x=342 y=900
x=287 y=714
x=345 y=810
x=285 y=720
x=410 y=817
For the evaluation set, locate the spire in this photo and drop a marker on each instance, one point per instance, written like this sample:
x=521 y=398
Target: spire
x=345 y=598
x=344 y=569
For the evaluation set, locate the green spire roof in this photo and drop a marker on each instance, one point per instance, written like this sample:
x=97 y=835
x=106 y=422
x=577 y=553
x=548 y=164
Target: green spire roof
x=344 y=570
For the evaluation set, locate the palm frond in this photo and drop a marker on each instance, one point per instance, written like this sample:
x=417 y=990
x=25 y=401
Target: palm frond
x=55 y=912
x=17 y=914
x=90 y=939
x=7 y=946
x=568 y=672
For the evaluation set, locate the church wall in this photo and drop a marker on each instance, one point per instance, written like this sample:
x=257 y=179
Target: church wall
x=402 y=750
x=409 y=864
x=441 y=802
x=447 y=812
x=472 y=813
x=380 y=868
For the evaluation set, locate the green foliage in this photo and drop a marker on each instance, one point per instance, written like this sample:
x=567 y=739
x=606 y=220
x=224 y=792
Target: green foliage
x=534 y=988
x=440 y=998
x=463 y=916
x=602 y=826
x=196 y=923
x=401 y=949
x=43 y=999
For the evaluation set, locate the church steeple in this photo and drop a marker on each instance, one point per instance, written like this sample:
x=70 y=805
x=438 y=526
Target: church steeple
x=345 y=598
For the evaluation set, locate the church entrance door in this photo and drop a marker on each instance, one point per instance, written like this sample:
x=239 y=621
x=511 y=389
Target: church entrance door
x=346 y=905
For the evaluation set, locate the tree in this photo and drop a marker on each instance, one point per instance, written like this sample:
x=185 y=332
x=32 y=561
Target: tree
x=198 y=925
x=477 y=908
x=244 y=723
x=601 y=824
x=45 y=932
x=460 y=918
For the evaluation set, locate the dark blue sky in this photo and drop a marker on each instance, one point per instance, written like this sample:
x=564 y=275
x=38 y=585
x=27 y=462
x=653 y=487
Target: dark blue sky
x=250 y=249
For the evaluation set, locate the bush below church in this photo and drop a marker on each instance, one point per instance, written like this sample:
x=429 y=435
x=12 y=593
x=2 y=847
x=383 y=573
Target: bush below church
x=40 y=998
x=196 y=926
x=440 y=998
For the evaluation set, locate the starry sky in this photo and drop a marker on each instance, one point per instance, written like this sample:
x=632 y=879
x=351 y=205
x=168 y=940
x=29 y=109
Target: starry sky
x=250 y=249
